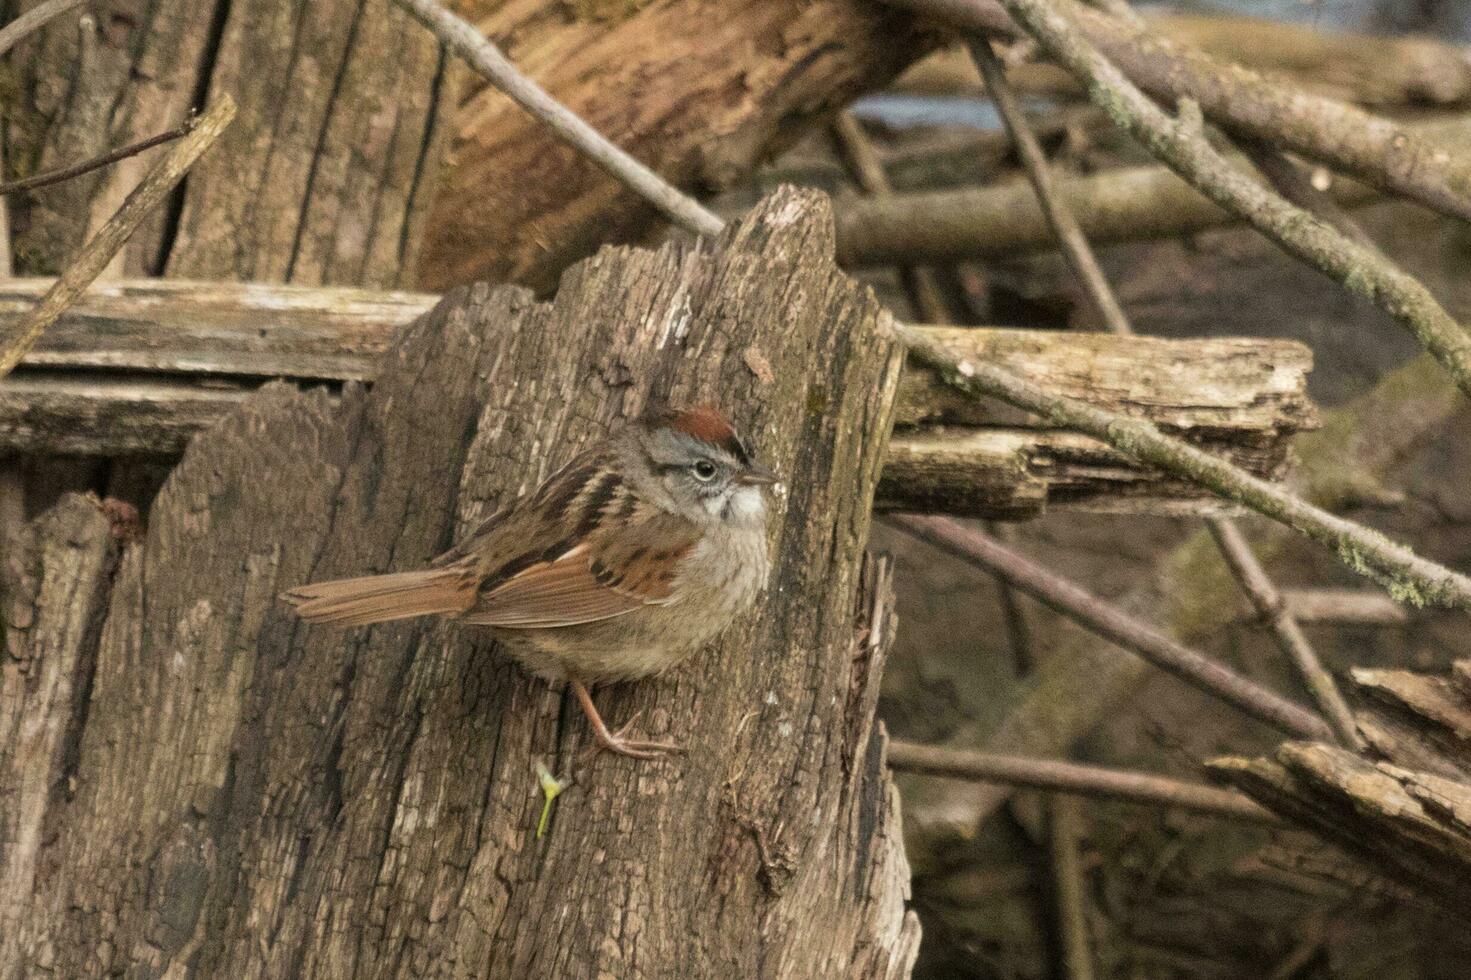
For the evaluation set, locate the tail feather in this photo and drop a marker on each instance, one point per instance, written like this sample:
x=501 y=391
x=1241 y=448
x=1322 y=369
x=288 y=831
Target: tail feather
x=381 y=598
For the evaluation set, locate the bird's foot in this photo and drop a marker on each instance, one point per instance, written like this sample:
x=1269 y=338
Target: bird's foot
x=616 y=743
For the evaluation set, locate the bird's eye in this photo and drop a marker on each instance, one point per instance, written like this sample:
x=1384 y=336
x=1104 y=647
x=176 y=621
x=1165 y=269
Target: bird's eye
x=704 y=470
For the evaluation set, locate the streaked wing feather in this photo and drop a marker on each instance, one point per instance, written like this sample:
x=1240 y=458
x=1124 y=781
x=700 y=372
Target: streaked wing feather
x=609 y=575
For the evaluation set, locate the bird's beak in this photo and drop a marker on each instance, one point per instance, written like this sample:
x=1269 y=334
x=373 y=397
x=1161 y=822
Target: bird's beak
x=757 y=476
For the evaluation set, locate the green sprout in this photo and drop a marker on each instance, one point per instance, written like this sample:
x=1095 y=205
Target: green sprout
x=551 y=788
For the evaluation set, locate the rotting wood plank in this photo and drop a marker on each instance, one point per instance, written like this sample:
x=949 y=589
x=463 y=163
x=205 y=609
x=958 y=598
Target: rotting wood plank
x=139 y=366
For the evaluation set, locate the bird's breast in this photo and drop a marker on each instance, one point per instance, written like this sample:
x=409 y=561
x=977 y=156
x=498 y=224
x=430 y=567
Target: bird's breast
x=723 y=574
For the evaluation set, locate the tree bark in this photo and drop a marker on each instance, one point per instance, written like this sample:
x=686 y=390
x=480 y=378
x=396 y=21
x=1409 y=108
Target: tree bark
x=701 y=92
x=246 y=796
x=139 y=367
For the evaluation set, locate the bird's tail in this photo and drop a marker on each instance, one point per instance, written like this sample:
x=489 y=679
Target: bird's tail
x=380 y=598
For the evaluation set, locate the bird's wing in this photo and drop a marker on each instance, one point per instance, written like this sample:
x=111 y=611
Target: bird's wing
x=608 y=572
x=539 y=524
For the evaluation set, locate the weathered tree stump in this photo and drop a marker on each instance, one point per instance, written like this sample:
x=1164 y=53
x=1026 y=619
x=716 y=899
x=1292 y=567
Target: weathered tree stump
x=230 y=792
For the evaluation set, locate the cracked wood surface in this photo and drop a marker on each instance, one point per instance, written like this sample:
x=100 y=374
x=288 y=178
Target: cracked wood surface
x=250 y=796
x=139 y=366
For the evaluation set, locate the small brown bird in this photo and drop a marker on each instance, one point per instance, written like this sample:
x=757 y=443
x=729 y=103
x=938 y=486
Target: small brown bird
x=618 y=567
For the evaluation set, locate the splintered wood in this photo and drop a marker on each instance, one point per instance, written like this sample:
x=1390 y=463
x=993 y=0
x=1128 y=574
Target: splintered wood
x=139 y=367
x=1405 y=807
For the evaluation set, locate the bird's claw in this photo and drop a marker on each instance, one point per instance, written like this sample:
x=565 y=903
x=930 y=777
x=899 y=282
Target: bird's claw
x=633 y=748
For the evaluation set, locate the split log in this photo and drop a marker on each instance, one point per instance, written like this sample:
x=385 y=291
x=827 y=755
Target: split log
x=700 y=94
x=138 y=367
x=245 y=796
x=1406 y=811
x=325 y=175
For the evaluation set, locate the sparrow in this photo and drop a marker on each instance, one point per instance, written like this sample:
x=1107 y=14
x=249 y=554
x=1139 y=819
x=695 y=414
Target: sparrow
x=619 y=566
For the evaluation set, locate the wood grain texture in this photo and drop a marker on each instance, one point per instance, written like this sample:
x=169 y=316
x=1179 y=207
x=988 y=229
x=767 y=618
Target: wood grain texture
x=53 y=585
x=325 y=176
x=139 y=366
x=258 y=798
x=699 y=90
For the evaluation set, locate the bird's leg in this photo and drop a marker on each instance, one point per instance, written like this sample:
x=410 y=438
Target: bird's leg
x=614 y=741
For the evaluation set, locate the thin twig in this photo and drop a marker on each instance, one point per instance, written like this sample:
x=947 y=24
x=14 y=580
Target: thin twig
x=1269 y=604
x=96 y=163
x=1070 y=777
x=1298 y=188
x=463 y=39
x=1112 y=623
x=7 y=264
x=1249 y=572
x=1409 y=577
x=1064 y=829
x=868 y=171
x=33 y=20
x=1344 y=607
x=98 y=250
x=1181 y=144
x=1013 y=613
x=1069 y=235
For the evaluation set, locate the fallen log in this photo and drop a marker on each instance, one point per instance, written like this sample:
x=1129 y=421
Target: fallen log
x=1003 y=220
x=700 y=98
x=1369 y=70
x=138 y=367
x=1122 y=204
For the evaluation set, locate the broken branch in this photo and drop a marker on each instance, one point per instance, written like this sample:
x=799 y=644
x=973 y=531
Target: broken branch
x=96 y=163
x=1112 y=623
x=1071 y=777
